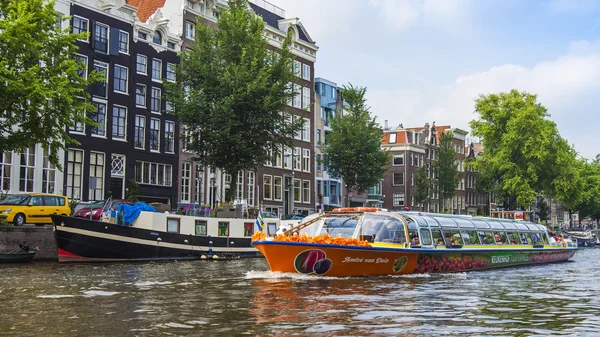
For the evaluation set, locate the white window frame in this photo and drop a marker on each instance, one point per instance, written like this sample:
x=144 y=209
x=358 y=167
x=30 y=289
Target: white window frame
x=305 y=97
x=107 y=37
x=153 y=123
x=152 y=98
x=297 y=187
x=139 y=85
x=287 y=158
x=74 y=171
x=400 y=155
x=306 y=191
x=250 y=191
x=394 y=180
x=297 y=68
x=103 y=135
x=297 y=162
x=297 y=97
x=143 y=129
x=190 y=33
x=137 y=64
x=171 y=70
x=159 y=62
x=306 y=160
x=120 y=79
x=170 y=135
x=126 y=52
x=83 y=57
x=124 y=138
x=306 y=130
x=268 y=186
x=306 y=71
x=277 y=188
x=186 y=176
x=392 y=139
x=87 y=40
x=98 y=193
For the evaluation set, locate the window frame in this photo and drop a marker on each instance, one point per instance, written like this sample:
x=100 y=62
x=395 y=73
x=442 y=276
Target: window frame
x=123 y=108
x=137 y=64
x=121 y=33
x=120 y=80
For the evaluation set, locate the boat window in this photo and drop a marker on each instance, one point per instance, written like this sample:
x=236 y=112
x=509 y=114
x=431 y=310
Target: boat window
x=486 y=237
x=446 y=222
x=422 y=222
x=480 y=224
x=462 y=223
x=509 y=225
x=452 y=237
x=412 y=228
x=532 y=227
x=500 y=238
x=391 y=232
x=425 y=237
x=545 y=238
x=521 y=227
x=496 y=225
x=536 y=238
x=431 y=222
x=524 y=239
x=342 y=227
x=514 y=237
x=528 y=237
x=438 y=239
x=470 y=238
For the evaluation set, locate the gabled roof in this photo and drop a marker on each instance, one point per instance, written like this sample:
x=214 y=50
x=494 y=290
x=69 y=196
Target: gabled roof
x=272 y=20
x=146 y=7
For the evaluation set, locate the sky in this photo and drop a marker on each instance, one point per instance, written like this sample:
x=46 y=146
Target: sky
x=428 y=60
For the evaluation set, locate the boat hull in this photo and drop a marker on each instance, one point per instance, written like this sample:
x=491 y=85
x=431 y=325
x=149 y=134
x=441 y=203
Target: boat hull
x=23 y=257
x=349 y=261
x=83 y=240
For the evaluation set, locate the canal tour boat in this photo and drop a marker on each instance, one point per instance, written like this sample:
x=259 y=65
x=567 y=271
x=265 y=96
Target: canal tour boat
x=372 y=242
x=150 y=235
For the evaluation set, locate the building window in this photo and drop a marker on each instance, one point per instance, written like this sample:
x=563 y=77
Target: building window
x=170 y=45
x=277 y=188
x=398 y=159
x=306 y=130
x=318 y=136
x=169 y=136
x=156 y=70
x=287 y=158
x=100 y=88
x=123 y=42
x=186 y=174
x=297 y=95
x=120 y=78
x=27 y=170
x=155 y=98
x=392 y=138
x=250 y=188
x=96 y=176
x=141 y=64
x=5 y=170
x=306 y=72
x=78 y=127
x=190 y=30
x=80 y=25
x=153 y=173
x=142 y=36
x=117 y=165
x=74 y=173
x=239 y=193
x=157 y=38
x=398 y=178
x=305 y=97
x=171 y=72
x=297 y=190
x=140 y=95
x=83 y=60
x=318 y=162
x=306 y=191
x=99 y=116
x=398 y=199
x=154 y=134
x=267 y=187
x=101 y=38
x=119 y=119
x=306 y=160
x=140 y=132
x=297 y=159
x=297 y=68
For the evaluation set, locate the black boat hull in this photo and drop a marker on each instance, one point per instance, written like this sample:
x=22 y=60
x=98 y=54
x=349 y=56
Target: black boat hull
x=83 y=240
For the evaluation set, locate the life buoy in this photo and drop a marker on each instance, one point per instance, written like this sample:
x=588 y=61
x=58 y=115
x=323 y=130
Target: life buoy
x=356 y=209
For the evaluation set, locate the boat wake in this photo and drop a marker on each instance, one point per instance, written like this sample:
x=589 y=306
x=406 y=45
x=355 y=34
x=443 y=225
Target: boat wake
x=278 y=275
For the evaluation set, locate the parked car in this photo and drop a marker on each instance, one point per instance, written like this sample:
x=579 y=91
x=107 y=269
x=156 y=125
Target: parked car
x=270 y=215
x=33 y=208
x=94 y=210
x=293 y=217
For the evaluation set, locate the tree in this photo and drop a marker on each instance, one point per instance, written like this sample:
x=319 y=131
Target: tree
x=353 y=150
x=41 y=90
x=521 y=145
x=230 y=92
x=422 y=186
x=446 y=167
x=542 y=209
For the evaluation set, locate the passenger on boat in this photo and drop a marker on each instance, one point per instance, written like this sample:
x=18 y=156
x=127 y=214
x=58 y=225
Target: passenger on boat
x=448 y=239
x=498 y=238
x=415 y=241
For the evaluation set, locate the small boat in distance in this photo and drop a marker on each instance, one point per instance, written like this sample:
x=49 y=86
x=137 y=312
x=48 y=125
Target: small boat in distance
x=582 y=238
x=371 y=242
x=139 y=233
x=23 y=254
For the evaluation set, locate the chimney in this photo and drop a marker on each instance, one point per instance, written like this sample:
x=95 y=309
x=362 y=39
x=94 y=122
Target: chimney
x=385 y=127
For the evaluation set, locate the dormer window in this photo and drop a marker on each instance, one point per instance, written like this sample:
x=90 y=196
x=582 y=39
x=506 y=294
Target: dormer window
x=142 y=36
x=157 y=38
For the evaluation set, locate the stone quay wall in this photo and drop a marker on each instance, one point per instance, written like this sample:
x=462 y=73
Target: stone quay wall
x=34 y=236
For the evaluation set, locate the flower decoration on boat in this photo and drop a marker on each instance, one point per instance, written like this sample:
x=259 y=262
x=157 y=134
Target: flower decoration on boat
x=431 y=264
x=312 y=261
x=324 y=239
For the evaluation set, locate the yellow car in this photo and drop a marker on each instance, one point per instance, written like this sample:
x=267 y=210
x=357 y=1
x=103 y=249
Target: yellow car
x=32 y=208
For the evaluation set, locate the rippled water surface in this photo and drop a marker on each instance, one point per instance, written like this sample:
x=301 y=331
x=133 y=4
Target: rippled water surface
x=218 y=298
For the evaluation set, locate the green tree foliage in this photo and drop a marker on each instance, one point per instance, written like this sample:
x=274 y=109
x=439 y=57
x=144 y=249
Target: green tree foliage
x=234 y=90
x=353 y=150
x=446 y=167
x=542 y=209
x=422 y=186
x=41 y=92
x=523 y=152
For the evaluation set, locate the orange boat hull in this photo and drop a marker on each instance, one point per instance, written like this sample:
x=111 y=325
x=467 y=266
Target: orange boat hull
x=349 y=261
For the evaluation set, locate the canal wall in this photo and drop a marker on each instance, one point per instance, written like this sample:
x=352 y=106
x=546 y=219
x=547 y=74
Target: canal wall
x=34 y=236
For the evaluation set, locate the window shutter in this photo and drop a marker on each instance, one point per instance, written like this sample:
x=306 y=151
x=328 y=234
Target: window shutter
x=93 y=33
x=114 y=41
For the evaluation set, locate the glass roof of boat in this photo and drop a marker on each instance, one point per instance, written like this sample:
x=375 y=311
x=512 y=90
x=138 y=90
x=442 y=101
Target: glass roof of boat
x=468 y=222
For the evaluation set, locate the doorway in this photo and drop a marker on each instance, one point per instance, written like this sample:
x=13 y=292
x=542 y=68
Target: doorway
x=116 y=187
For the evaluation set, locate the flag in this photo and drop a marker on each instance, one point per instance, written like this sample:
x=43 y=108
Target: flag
x=259 y=221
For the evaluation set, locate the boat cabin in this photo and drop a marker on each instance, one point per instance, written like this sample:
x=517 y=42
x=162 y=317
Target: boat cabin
x=428 y=230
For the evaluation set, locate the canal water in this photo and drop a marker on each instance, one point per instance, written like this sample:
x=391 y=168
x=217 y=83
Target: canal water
x=218 y=298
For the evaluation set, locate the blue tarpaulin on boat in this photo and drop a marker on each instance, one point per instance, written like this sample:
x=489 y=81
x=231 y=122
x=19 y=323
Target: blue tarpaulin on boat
x=131 y=212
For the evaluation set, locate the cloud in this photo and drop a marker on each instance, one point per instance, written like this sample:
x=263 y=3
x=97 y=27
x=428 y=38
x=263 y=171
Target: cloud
x=400 y=15
x=567 y=86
